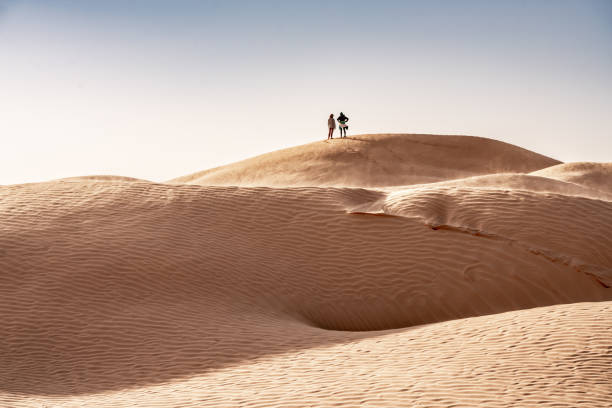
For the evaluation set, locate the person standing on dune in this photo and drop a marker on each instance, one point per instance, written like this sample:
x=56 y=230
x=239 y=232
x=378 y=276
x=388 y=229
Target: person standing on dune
x=342 y=119
x=331 y=125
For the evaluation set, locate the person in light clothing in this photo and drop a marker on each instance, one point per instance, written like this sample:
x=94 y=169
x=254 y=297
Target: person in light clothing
x=331 y=125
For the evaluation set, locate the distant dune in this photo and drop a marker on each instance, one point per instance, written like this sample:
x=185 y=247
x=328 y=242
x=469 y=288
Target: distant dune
x=380 y=270
x=597 y=176
x=101 y=178
x=375 y=161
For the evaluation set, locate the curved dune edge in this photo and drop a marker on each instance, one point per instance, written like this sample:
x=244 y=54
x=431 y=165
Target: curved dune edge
x=549 y=357
x=597 y=176
x=522 y=182
x=376 y=160
x=538 y=224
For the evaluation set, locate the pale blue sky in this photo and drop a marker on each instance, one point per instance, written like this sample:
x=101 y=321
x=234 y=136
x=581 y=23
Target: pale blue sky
x=159 y=89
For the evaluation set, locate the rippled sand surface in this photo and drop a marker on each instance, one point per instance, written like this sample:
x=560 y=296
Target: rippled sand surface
x=477 y=274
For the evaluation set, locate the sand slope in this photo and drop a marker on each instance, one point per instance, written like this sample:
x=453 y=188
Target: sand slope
x=488 y=291
x=375 y=161
x=594 y=175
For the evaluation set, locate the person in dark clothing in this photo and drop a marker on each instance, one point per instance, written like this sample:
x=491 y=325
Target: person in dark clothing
x=342 y=119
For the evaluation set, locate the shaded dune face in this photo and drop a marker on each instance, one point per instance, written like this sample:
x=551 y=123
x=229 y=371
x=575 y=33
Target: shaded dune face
x=101 y=280
x=375 y=161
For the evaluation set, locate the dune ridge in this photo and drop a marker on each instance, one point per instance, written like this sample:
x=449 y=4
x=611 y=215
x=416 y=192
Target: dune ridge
x=375 y=161
x=594 y=175
x=490 y=290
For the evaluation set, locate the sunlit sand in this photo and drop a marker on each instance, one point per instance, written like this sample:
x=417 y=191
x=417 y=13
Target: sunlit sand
x=377 y=270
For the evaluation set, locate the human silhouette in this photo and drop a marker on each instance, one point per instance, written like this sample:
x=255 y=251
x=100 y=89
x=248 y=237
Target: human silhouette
x=342 y=119
x=331 y=125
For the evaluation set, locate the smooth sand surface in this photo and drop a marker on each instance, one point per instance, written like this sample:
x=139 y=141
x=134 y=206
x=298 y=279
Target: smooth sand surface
x=595 y=175
x=375 y=161
x=478 y=289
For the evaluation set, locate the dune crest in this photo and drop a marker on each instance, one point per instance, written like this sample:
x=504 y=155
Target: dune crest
x=375 y=161
x=597 y=176
x=102 y=177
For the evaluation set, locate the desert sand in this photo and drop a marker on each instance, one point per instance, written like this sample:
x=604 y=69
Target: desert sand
x=377 y=270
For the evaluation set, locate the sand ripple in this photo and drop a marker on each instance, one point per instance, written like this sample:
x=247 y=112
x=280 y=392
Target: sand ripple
x=488 y=290
x=112 y=286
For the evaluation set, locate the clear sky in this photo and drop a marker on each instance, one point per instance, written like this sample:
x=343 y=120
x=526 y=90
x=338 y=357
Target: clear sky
x=158 y=89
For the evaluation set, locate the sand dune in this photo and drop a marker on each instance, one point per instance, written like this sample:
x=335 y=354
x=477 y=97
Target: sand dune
x=102 y=177
x=518 y=182
x=490 y=291
x=594 y=175
x=375 y=161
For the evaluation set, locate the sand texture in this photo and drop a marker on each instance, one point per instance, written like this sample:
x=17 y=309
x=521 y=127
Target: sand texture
x=481 y=277
x=375 y=161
